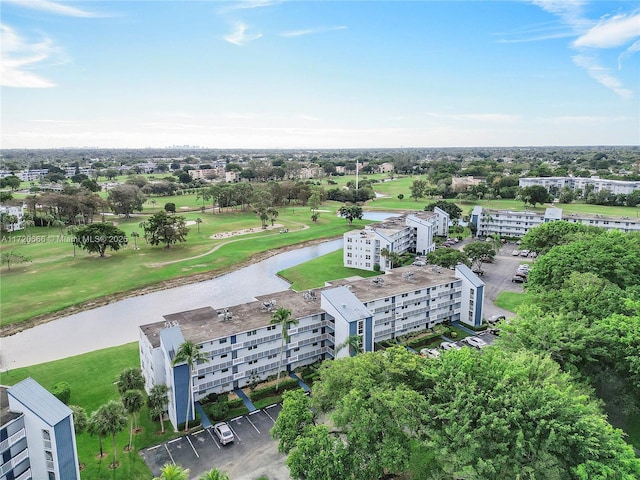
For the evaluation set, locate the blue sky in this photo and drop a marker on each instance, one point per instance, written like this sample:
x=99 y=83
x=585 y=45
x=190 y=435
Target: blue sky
x=299 y=74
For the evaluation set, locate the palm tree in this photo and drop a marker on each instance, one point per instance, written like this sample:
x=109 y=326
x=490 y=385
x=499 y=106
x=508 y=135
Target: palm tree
x=282 y=316
x=214 y=474
x=157 y=401
x=173 y=472
x=273 y=214
x=188 y=353
x=98 y=428
x=112 y=418
x=135 y=236
x=198 y=222
x=133 y=401
x=354 y=342
x=130 y=379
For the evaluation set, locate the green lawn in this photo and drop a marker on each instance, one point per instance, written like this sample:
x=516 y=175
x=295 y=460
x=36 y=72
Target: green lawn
x=510 y=300
x=314 y=273
x=91 y=377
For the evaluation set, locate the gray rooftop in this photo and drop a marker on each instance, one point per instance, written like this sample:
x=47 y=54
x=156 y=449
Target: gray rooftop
x=207 y=323
x=347 y=303
x=469 y=275
x=39 y=401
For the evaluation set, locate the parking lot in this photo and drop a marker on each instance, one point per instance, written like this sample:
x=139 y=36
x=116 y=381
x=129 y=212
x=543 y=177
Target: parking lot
x=253 y=453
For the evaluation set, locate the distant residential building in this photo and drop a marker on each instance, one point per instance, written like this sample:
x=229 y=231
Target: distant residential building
x=242 y=346
x=231 y=177
x=516 y=224
x=32 y=175
x=37 y=437
x=17 y=212
x=385 y=167
x=553 y=184
x=407 y=233
x=460 y=184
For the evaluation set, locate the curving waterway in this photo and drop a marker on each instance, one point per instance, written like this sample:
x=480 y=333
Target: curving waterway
x=116 y=323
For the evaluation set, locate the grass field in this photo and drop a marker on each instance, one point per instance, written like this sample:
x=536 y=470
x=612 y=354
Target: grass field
x=316 y=272
x=510 y=300
x=91 y=377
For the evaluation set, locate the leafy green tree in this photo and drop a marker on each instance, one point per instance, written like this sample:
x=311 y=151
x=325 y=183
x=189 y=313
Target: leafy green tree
x=170 y=207
x=12 y=258
x=282 y=316
x=112 y=416
x=173 y=472
x=62 y=391
x=97 y=237
x=547 y=235
x=447 y=257
x=272 y=215
x=297 y=417
x=534 y=194
x=162 y=228
x=320 y=455
x=353 y=343
x=477 y=251
x=417 y=189
x=130 y=379
x=214 y=474
x=11 y=181
x=126 y=199
x=189 y=353
x=80 y=419
x=451 y=208
x=157 y=402
x=133 y=401
x=351 y=213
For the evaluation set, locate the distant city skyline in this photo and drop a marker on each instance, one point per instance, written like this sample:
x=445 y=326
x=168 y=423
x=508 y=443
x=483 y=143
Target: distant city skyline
x=269 y=74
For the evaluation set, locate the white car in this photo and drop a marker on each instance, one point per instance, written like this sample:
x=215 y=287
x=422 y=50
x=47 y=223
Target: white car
x=430 y=352
x=476 y=342
x=224 y=433
x=515 y=253
x=449 y=346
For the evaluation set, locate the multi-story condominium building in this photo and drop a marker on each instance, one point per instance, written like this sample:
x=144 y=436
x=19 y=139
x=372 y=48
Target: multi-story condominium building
x=553 y=184
x=460 y=184
x=37 y=438
x=6 y=212
x=242 y=346
x=408 y=233
x=516 y=224
x=32 y=175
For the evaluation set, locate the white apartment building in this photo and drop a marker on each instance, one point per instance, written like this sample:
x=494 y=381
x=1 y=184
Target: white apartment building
x=37 y=437
x=553 y=184
x=516 y=224
x=17 y=212
x=243 y=347
x=408 y=233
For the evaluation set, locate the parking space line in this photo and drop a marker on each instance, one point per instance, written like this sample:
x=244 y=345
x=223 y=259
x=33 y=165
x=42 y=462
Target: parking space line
x=213 y=438
x=253 y=424
x=267 y=414
x=170 y=456
x=234 y=432
x=175 y=440
x=153 y=448
x=198 y=432
x=194 y=448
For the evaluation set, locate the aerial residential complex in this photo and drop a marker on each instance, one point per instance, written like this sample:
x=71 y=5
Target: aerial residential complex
x=37 y=438
x=553 y=184
x=407 y=233
x=243 y=347
x=516 y=224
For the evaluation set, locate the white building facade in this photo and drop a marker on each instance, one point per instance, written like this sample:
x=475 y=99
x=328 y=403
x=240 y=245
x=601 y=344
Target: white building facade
x=408 y=233
x=553 y=184
x=242 y=347
x=11 y=211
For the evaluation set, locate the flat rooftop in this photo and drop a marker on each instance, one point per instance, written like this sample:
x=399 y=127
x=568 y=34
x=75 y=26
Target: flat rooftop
x=206 y=323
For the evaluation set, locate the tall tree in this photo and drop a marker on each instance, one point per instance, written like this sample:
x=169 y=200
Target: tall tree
x=189 y=353
x=111 y=418
x=282 y=317
x=12 y=258
x=80 y=419
x=297 y=417
x=351 y=213
x=447 y=257
x=97 y=237
x=165 y=229
x=478 y=251
x=126 y=199
x=451 y=208
x=157 y=402
x=132 y=400
x=418 y=188
x=130 y=379
x=98 y=427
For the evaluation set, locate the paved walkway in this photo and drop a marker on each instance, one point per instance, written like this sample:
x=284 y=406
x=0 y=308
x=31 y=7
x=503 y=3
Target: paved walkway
x=462 y=327
x=303 y=385
x=206 y=423
x=247 y=402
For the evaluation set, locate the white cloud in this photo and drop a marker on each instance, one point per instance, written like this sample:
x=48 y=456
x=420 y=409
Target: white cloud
x=611 y=32
x=478 y=117
x=249 y=4
x=312 y=31
x=52 y=7
x=601 y=74
x=18 y=56
x=239 y=35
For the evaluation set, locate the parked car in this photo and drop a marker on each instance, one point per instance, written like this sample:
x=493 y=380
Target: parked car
x=475 y=342
x=515 y=253
x=224 y=433
x=430 y=352
x=449 y=346
x=521 y=274
x=420 y=263
x=479 y=272
x=524 y=253
x=518 y=279
x=495 y=319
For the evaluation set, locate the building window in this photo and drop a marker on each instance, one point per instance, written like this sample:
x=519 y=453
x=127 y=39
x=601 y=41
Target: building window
x=271 y=327
x=224 y=356
x=251 y=333
x=223 y=340
x=252 y=347
x=360 y=327
x=251 y=362
x=224 y=370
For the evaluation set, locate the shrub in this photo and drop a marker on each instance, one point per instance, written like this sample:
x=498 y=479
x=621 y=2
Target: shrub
x=62 y=391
